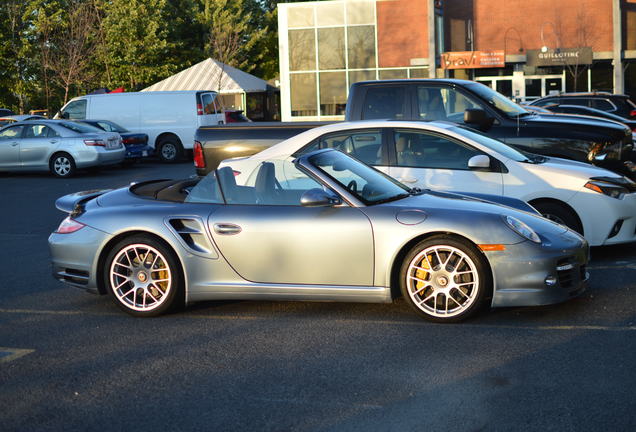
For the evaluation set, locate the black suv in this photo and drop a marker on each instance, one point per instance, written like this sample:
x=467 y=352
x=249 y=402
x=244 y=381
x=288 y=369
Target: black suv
x=617 y=104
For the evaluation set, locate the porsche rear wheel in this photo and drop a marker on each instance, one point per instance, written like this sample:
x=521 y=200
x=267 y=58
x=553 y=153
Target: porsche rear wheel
x=445 y=279
x=143 y=277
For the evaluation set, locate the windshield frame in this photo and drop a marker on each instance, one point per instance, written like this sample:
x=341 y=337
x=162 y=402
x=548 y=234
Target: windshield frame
x=497 y=101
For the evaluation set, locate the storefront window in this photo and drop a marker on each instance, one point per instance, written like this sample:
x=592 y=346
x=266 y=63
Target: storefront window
x=300 y=16
x=331 y=47
x=393 y=74
x=302 y=50
x=360 y=12
x=330 y=14
x=366 y=75
x=333 y=93
x=361 y=47
x=303 y=94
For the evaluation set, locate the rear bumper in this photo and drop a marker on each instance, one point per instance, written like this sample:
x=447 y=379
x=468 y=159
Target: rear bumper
x=100 y=157
x=520 y=274
x=136 y=151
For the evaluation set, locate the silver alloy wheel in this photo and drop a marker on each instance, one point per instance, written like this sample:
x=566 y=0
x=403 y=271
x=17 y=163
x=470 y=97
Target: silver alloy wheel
x=140 y=277
x=62 y=166
x=168 y=151
x=442 y=281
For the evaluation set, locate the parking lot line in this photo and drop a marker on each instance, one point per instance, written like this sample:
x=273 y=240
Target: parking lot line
x=582 y=327
x=10 y=354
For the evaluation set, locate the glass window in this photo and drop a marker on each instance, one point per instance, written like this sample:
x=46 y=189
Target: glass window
x=207 y=101
x=333 y=93
x=365 y=75
x=303 y=94
x=427 y=150
x=533 y=88
x=109 y=126
x=545 y=102
x=207 y=190
x=302 y=50
x=418 y=73
x=75 y=110
x=497 y=100
x=361 y=47
x=330 y=14
x=365 y=145
x=331 y=48
x=393 y=74
x=36 y=131
x=229 y=101
x=360 y=12
x=51 y=133
x=603 y=105
x=384 y=103
x=435 y=103
x=80 y=127
x=300 y=16
x=12 y=132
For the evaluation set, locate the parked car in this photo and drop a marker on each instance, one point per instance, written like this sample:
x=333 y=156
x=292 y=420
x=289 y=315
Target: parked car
x=18 y=118
x=60 y=147
x=583 y=110
x=136 y=143
x=298 y=230
x=618 y=104
x=6 y=112
x=444 y=156
x=170 y=118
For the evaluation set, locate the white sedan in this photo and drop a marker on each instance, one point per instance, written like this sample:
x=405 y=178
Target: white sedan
x=595 y=202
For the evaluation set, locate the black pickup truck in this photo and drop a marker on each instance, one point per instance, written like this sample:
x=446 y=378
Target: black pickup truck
x=601 y=142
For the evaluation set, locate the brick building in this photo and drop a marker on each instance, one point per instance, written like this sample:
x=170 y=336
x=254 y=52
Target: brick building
x=524 y=49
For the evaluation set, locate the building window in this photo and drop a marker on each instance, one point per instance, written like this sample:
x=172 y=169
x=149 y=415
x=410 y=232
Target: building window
x=393 y=74
x=300 y=16
x=363 y=75
x=303 y=94
x=331 y=48
x=330 y=14
x=360 y=12
x=333 y=93
x=302 y=50
x=361 y=47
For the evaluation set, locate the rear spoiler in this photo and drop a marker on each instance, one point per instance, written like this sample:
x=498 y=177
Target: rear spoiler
x=74 y=203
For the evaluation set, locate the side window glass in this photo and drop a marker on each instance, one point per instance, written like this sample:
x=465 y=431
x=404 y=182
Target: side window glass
x=207 y=190
x=75 y=110
x=207 y=100
x=384 y=103
x=545 y=102
x=11 y=133
x=570 y=101
x=603 y=105
x=424 y=150
x=50 y=132
x=362 y=145
x=436 y=103
x=35 y=131
x=106 y=127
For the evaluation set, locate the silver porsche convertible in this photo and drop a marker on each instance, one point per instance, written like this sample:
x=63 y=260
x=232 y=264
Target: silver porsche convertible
x=323 y=227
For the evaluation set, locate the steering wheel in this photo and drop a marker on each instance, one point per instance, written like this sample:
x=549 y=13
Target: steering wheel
x=353 y=186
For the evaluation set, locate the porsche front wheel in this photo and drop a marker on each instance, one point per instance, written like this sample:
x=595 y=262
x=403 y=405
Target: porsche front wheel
x=143 y=277
x=445 y=279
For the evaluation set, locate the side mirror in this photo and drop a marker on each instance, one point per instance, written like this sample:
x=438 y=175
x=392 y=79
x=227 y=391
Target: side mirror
x=319 y=198
x=479 y=162
x=478 y=117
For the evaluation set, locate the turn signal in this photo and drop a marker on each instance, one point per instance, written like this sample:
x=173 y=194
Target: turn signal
x=68 y=226
x=492 y=247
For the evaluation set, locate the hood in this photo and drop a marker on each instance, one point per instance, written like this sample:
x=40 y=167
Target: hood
x=574 y=120
x=559 y=166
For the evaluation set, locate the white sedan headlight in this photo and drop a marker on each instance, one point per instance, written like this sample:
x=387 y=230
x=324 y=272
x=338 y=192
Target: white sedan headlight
x=522 y=229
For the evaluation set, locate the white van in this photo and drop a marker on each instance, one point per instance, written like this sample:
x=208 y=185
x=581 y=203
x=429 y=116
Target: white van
x=169 y=118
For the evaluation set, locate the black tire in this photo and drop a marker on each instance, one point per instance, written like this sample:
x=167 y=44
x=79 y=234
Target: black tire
x=430 y=292
x=169 y=149
x=62 y=165
x=559 y=213
x=134 y=286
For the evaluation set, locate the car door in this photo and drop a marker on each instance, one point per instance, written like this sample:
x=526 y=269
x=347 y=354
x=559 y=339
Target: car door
x=268 y=237
x=10 y=147
x=37 y=144
x=211 y=113
x=430 y=160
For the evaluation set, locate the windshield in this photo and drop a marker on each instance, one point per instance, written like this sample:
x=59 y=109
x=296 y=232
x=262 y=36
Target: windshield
x=80 y=128
x=501 y=148
x=497 y=100
x=367 y=184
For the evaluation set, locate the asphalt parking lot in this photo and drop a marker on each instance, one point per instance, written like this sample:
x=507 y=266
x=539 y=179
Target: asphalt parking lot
x=70 y=360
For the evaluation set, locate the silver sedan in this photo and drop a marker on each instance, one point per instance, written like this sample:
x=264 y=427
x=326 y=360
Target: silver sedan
x=58 y=146
x=324 y=227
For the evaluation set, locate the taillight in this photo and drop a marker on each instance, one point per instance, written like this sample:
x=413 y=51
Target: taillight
x=197 y=151
x=236 y=173
x=632 y=113
x=199 y=109
x=95 y=143
x=68 y=226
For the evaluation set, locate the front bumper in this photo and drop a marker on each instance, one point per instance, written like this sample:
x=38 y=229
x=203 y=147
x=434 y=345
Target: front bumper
x=74 y=257
x=520 y=273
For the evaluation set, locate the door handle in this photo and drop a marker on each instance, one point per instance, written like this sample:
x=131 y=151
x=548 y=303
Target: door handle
x=407 y=179
x=226 y=228
x=13 y=144
x=53 y=141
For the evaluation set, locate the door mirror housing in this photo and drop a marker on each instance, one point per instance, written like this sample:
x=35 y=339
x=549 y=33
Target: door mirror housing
x=477 y=117
x=319 y=198
x=479 y=162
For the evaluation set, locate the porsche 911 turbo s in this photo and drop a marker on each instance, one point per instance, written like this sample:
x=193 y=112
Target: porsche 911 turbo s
x=323 y=227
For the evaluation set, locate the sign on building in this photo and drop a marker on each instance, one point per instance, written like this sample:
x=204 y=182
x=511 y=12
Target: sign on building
x=473 y=59
x=559 y=57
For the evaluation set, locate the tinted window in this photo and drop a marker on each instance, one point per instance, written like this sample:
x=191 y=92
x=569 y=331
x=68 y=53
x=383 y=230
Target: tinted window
x=574 y=101
x=603 y=105
x=110 y=126
x=544 y=102
x=384 y=103
x=37 y=131
x=12 y=132
x=426 y=150
x=364 y=145
x=75 y=110
x=80 y=127
x=434 y=103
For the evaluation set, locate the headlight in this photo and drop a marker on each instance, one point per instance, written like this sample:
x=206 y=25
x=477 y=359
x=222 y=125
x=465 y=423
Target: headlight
x=609 y=189
x=522 y=229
